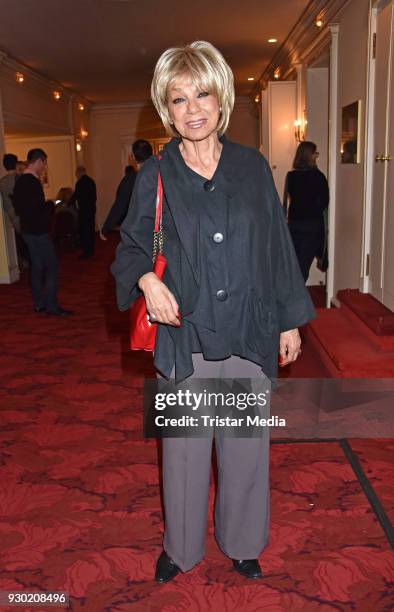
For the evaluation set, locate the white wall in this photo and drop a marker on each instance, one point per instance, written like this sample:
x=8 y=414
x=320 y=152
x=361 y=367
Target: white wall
x=317 y=96
x=61 y=159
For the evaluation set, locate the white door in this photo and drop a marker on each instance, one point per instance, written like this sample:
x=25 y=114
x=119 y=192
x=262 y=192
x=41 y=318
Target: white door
x=381 y=271
x=388 y=238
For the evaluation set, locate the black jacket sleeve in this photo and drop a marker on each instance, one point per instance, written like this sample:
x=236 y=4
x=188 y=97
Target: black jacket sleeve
x=294 y=304
x=324 y=195
x=120 y=207
x=134 y=253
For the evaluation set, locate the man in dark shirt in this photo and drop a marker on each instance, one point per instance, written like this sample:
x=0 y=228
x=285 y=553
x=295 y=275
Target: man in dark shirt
x=34 y=214
x=85 y=196
x=141 y=151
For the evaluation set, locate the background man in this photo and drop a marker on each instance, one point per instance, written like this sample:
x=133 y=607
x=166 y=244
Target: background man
x=141 y=151
x=85 y=196
x=34 y=213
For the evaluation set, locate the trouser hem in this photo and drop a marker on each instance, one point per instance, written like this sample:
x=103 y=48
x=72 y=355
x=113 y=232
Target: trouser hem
x=184 y=567
x=239 y=556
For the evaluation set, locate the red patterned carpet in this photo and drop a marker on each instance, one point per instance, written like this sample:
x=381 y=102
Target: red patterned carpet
x=80 y=499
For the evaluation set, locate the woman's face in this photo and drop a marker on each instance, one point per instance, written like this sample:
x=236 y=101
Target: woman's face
x=195 y=113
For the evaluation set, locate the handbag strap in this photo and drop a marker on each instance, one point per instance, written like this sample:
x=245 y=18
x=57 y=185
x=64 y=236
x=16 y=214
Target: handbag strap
x=158 y=235
x=159 y=204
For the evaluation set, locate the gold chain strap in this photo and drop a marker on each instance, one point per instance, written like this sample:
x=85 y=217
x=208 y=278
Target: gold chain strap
x=158 y=243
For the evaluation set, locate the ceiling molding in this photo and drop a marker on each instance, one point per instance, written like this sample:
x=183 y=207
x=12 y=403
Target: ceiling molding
x=9 y=67
x=110 y=108
x=303 y=43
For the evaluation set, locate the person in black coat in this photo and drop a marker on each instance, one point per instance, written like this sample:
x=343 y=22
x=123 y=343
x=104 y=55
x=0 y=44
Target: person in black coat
x=141 y=151
x=85 y=197
x=306 y=199
x=231 y=298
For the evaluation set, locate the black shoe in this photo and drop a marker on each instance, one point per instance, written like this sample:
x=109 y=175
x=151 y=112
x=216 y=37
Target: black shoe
x=60 y=312
x=165 y=568
x=39 y=309
x=249 y=568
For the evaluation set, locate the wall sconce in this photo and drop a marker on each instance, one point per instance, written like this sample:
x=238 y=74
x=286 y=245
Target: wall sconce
x=57 y=95
x=299 y=129
x=84 y=133
x=319 y=22
x=78 y=146
x=257 y=98
x=81 y=106
x=277 y=74
x=19 y=77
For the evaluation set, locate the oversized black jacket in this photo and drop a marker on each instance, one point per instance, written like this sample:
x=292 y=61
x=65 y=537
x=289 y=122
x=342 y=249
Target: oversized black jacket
x=267 y=269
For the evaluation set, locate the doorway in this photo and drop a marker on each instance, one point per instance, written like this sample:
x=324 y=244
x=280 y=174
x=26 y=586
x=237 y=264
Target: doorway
x=317 y=112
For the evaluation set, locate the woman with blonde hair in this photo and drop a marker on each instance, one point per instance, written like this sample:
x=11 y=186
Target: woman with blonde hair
x=232 y=296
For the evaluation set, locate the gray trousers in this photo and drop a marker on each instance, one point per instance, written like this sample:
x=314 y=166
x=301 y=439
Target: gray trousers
x=242 y=500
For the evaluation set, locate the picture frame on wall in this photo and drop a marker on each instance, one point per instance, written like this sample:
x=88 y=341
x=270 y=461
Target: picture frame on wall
x=350 y=134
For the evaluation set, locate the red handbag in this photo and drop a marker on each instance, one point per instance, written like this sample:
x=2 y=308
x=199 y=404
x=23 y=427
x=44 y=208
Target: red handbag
x=142 y=330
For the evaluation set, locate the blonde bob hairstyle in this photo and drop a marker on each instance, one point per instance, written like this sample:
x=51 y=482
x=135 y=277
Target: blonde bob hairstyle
x=208 y=71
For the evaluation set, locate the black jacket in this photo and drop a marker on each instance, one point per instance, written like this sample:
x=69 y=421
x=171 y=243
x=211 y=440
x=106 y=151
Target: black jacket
x=309 y=194
x=122 y=200
x=30 y=205
x=85 y=194
x=267 y=271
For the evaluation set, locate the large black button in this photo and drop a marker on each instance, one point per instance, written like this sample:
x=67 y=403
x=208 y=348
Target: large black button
x=221 y=295
x=209 y=186
x=218 y=237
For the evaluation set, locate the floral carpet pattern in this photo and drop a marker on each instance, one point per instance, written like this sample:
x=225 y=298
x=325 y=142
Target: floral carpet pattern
x=80 y=504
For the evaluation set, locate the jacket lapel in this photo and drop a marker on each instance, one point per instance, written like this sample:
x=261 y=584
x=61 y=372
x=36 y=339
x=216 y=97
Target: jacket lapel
x=181 y=198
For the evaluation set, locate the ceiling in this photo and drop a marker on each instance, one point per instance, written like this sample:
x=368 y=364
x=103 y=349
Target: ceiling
x=106 y=49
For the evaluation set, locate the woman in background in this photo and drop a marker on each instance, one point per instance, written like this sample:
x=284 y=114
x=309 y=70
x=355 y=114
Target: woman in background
x=306 y=198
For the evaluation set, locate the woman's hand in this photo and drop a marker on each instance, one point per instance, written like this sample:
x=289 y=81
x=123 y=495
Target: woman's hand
x=161 y=305
x=289 y=346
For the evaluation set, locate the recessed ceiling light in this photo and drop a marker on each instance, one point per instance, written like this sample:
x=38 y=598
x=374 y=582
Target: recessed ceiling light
x=272 y=40
x=250 y=78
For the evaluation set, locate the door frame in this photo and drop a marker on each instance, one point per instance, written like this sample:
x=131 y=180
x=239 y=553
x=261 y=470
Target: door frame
x=374 y=7
x=332 y=161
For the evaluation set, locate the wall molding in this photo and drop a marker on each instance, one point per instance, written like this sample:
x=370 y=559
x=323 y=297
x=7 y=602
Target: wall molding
x=10 y=117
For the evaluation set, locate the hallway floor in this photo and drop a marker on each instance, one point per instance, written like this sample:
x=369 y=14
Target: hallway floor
x=80 y=499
